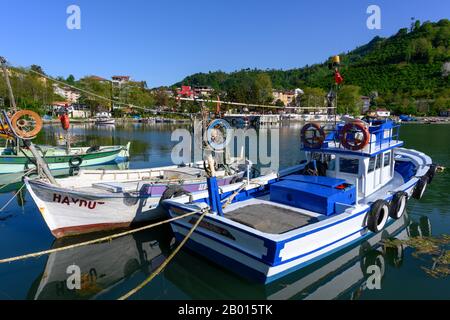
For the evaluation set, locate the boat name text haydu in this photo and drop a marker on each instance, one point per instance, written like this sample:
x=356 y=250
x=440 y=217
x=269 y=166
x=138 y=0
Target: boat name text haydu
x=66 y=200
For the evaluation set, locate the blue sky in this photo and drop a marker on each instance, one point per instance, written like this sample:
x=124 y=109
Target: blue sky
x=164 y=41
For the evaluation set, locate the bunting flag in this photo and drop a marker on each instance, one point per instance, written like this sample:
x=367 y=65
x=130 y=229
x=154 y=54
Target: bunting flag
x=338 y=78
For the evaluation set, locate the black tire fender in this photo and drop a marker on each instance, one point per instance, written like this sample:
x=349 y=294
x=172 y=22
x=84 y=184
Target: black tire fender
x=75 y=162
x=431 y=172
x=378 y=215
x=398 y=205
x=420 y=188
x=173 y=191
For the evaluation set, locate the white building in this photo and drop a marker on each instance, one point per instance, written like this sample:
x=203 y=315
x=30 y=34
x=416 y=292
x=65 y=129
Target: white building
x=68 y=94
x=120 y=80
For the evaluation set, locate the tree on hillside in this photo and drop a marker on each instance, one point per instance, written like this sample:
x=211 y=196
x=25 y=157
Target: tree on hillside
x=261 y=90
x=70 y=79
x=37 y=69
x=312 y=98
x=349 y=100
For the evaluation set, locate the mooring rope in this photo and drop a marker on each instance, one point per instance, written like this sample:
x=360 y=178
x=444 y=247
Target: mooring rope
x=166 y=262
x=103 y=239
x=12 y=198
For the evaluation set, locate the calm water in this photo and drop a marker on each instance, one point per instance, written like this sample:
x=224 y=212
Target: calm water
x=112 y=269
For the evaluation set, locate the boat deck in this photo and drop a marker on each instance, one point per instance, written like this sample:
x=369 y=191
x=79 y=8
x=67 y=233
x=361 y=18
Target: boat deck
x=269 y=217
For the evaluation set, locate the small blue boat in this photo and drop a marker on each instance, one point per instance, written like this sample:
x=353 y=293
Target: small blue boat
x=356 y=181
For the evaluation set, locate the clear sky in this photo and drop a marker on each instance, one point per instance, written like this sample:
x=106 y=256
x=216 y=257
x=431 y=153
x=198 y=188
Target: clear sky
x=164 y=41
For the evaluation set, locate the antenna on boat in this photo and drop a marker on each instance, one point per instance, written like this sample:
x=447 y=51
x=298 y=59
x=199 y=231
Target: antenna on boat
x=11 y=126
x=338 y=79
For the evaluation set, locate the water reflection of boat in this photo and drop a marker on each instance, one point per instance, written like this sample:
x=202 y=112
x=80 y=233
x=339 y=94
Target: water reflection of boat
x=343 y=274
x=103 y=266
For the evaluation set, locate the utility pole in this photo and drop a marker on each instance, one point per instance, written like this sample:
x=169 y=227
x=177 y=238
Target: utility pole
x=12 y=101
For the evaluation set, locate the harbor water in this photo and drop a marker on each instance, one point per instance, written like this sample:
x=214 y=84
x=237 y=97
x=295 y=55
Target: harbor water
x=111 y=269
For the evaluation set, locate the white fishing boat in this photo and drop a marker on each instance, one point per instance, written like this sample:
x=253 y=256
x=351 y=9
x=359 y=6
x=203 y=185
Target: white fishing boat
x=95 y=200
x=104 y=118
x=356 y=180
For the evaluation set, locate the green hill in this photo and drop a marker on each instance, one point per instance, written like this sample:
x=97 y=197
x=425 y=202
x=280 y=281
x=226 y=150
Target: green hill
x=407 y=72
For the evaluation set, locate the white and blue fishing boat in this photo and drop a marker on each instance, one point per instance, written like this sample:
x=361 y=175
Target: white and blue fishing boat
x=355 y=182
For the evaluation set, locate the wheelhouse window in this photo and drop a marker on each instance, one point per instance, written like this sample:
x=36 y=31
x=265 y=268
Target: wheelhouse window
x=372 y=164
x=387 y=159
x=379 y=161
x=349 y=165
x=330 y=159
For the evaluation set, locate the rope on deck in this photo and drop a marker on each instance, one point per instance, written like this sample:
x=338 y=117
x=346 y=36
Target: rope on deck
x=103 y=239
x=166 y=262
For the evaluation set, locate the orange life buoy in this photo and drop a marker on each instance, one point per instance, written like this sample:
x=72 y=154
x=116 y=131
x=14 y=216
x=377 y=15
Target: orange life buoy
x=65 y=122
x=26 y=123
x=318 y=137
x=351 y=135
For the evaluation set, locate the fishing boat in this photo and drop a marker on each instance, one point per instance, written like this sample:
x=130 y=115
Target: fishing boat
x=95 y=200
x=104 y=118
x=356 y=179
x=16 y=160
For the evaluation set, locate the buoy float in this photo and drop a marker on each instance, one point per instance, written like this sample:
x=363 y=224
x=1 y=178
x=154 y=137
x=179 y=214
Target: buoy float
x=65 y=122
x=349 y=134
x=315 y=141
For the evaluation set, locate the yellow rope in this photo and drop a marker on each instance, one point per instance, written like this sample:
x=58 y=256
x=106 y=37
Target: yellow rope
x=104 y=239
x=166 y=262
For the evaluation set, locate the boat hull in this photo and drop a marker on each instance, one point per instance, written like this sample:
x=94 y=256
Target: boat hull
x=12 y=163
x=68 y=212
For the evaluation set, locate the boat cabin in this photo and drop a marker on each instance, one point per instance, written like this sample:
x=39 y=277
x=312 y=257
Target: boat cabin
x=365 y=162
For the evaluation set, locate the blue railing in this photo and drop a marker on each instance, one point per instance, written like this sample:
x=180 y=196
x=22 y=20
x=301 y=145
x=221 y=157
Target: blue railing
x=393 y=137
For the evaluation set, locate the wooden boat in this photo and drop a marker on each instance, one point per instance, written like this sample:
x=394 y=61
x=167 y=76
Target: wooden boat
x=95 y=200
x=57 y=158
x=357 y=178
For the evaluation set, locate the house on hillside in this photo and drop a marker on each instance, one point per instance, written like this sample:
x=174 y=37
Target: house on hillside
x=67 y=93
x=285 y=96
x=120 y=80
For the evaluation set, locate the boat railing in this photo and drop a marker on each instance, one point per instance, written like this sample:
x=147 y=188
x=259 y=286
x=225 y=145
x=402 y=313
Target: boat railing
x=377 y=138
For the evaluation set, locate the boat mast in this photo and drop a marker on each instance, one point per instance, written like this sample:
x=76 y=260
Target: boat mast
x=41 y=165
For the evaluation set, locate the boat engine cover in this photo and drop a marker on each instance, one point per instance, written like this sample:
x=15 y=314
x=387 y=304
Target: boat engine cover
x=313 y=193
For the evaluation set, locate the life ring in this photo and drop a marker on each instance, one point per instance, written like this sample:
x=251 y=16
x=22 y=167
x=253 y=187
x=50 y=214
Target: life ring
x=398 y=205
x=318 y=137
x=26 y=123
x=378 y=215
x=78 y=162
x=420 y=188
x=431 y=172
x=348 y=135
